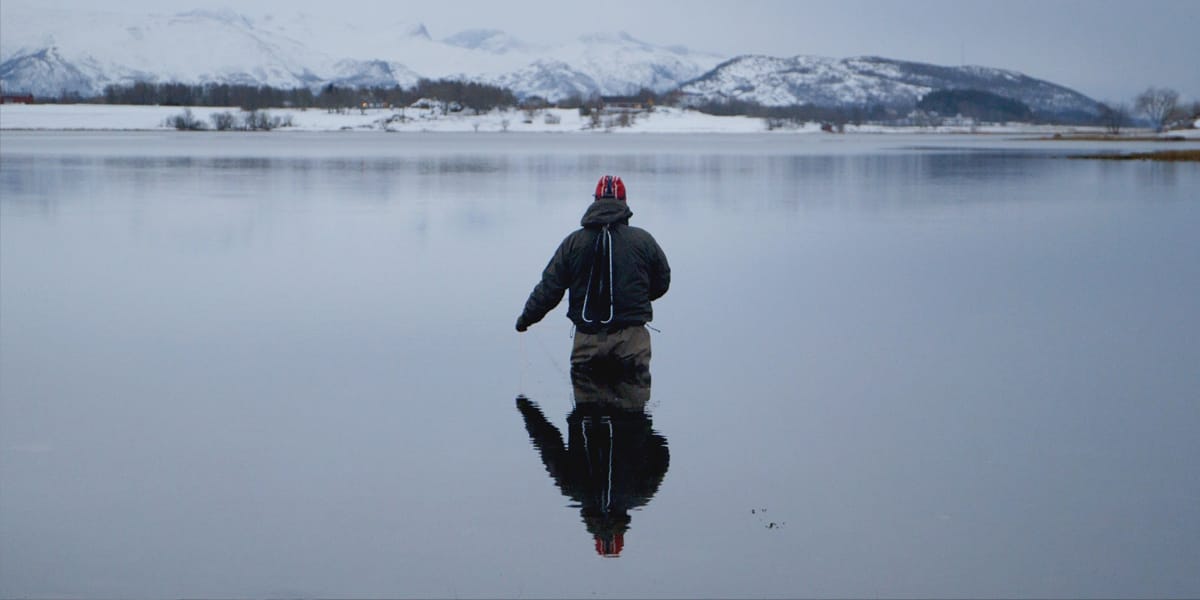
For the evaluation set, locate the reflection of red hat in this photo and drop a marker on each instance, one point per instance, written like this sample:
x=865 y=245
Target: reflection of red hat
x=610 y=187
x=610 y=548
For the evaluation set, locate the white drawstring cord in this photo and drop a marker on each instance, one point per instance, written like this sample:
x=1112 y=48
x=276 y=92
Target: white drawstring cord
x=587 y=451
x=608 y=492
x=612 y=283
x=604 y=243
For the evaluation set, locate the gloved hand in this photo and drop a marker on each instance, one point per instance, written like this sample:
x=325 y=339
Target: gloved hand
x=521 y=324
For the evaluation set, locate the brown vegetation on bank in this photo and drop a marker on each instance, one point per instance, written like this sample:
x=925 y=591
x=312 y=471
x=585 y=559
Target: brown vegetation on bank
x=1108 y=137
x=1161 y=155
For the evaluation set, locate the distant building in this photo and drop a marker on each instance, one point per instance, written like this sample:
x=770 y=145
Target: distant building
x=624 y=103
x=26 y=99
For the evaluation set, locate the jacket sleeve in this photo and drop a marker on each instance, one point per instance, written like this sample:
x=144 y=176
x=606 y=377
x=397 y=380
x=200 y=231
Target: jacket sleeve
x=549 y=291
x=660 y=271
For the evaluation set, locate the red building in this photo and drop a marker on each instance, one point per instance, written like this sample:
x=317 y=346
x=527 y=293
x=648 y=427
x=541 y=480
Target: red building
x=26 y=99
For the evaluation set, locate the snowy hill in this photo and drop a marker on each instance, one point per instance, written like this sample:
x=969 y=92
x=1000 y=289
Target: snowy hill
x=50 y=52
x=47 y=52
x=866 y=81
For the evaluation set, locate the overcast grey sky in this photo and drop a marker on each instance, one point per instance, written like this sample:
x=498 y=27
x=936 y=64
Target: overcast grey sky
x=1107 y=49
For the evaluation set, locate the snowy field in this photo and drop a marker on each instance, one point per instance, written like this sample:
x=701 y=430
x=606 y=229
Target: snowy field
x=660 y=120
x=108 y=117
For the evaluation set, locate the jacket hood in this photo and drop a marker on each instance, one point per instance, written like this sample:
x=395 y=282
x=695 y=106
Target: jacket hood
x=606 y=212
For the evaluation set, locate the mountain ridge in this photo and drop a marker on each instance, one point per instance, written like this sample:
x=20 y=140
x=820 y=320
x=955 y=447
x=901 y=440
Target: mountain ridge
x=50 y=53
x=869 y=80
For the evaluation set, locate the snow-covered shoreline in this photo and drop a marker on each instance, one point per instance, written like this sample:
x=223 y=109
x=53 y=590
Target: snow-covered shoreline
x=150 y=118
x=102 y=117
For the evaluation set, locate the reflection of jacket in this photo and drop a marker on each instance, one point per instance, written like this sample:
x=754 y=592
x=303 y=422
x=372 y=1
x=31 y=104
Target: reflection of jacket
x=613 y=461
x=613 y=268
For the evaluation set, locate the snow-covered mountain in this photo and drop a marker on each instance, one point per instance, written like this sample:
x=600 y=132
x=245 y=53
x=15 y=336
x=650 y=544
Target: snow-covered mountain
x=47 y=52
x=866 y=81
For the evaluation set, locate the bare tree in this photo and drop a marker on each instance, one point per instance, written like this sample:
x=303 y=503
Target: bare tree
x=223 y=121
x=1114 y=117
x=1158 y=104
x=186 y=121
x=261 y=120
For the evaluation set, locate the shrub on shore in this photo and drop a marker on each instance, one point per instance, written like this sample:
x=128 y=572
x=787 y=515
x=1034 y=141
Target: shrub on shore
x=186 y=121
x=255 y=120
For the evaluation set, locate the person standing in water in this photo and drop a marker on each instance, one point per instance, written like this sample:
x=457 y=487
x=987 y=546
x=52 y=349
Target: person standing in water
x=613 y=272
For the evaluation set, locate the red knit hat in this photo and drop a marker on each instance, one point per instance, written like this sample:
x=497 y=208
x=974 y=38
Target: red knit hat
x=611 y=188
x=610 y=548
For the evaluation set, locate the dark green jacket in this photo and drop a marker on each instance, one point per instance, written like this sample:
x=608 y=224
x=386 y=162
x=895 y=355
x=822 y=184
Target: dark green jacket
x=612 y=269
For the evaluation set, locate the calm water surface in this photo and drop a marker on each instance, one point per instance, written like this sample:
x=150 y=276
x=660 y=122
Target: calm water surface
x=284 y=365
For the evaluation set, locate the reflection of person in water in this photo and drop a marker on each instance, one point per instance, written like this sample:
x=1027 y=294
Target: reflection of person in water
x=614 y=461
